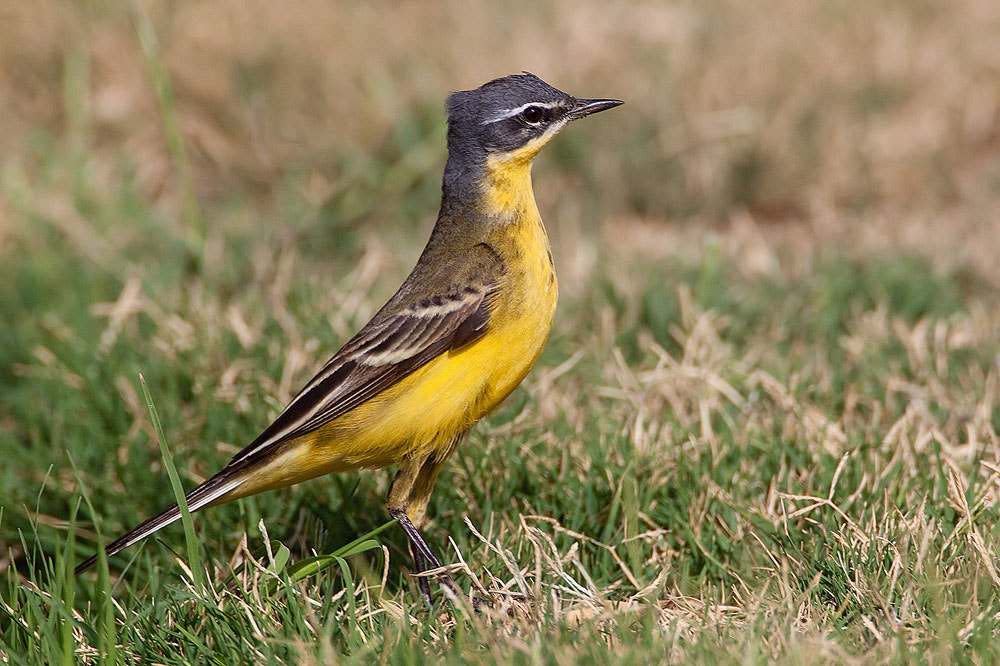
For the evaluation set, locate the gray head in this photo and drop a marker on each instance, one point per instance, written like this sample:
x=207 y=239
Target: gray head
x=507 y=114
x=506 y=120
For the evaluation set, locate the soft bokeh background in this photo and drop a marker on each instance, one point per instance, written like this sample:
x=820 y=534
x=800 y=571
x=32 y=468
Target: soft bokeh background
x=765 y=425
x=865 y=124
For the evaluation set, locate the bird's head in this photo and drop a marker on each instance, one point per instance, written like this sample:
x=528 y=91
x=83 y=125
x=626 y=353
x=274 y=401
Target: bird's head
x=494 y=133
x=513 y=117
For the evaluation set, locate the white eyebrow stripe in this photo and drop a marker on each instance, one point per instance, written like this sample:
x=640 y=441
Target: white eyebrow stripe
x=510 y=113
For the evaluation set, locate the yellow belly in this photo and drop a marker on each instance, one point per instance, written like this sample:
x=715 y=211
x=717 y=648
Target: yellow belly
x=444 y=397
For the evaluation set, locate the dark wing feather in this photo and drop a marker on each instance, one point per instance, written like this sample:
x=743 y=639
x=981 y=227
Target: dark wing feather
x=385 y=351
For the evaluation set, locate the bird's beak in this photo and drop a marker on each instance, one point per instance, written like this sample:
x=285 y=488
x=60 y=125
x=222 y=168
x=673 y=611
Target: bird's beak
x=585 y=107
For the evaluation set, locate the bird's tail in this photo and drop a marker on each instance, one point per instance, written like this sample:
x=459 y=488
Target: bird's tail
x=210 y=491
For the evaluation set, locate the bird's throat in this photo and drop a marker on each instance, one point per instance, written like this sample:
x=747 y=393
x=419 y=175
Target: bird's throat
x=506 y=188
x=497 y=188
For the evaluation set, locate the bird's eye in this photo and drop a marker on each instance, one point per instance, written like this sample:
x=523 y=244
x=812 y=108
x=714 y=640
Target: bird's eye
x=533 y=114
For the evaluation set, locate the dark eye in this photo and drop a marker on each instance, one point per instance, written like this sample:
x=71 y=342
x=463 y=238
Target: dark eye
x=533 y=114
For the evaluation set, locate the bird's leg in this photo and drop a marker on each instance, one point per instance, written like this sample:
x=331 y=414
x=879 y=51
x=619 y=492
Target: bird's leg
x=420 y=565
x=407 y=503
x=423 y=557
x=400 y=505
x=420 y=550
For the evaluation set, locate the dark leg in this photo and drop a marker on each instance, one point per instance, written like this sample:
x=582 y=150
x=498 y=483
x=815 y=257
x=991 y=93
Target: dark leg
x=423 y=557
x=420 y=565
x=407 y=503
x=401 y=505
x=416 y=509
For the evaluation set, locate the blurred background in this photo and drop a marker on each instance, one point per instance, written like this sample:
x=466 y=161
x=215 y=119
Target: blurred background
x=778 y=271
x=868 y=125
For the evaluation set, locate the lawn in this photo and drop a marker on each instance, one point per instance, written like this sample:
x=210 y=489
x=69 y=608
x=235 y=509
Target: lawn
x=765 y=426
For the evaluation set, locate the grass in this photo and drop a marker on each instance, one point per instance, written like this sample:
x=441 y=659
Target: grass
x=764 y=428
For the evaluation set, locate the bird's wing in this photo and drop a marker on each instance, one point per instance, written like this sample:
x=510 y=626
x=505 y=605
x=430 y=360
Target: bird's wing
x=385 y=351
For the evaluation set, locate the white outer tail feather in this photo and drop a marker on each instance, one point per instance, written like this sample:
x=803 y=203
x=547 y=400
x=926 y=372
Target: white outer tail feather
x=211 y=490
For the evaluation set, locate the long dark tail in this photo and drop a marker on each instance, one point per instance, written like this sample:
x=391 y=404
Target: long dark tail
x=208 y=492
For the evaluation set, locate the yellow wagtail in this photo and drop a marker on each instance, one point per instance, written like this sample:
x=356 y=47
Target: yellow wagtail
x=460 y=334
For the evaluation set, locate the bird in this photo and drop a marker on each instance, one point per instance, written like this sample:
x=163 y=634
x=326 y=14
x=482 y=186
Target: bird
x=459 y=335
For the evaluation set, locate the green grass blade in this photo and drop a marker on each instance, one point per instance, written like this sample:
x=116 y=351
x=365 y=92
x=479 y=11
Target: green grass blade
x=194 y=553
x=312 y=565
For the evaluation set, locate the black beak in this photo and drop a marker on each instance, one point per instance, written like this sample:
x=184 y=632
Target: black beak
x=585 y=107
